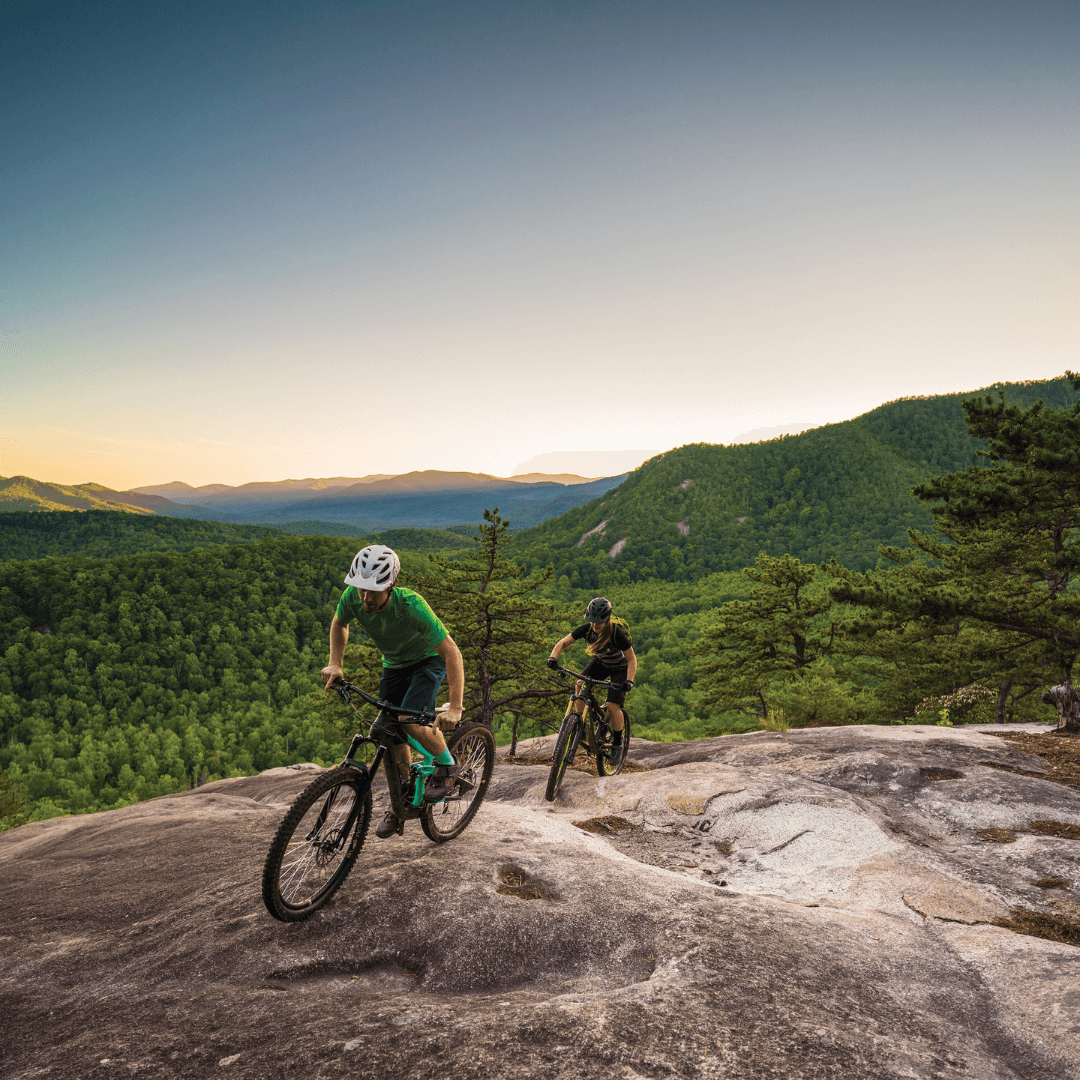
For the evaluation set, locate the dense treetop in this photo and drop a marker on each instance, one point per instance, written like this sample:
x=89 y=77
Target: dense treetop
x=104 y=534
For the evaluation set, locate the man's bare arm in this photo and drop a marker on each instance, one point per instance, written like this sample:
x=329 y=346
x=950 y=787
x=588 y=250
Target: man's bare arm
x=455 y=678
x=339 y=638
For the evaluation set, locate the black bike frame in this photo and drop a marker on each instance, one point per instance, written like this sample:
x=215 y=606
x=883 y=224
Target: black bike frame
x=594 y=711
x=384 y=744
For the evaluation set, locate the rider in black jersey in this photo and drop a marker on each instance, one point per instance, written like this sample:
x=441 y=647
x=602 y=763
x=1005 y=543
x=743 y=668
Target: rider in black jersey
x=608 y=642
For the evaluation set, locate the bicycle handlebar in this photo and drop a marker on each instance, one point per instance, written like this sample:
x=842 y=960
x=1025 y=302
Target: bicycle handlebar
x=587 y=678
x=347 y=689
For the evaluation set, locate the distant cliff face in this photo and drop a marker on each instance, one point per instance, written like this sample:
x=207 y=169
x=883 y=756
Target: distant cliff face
x=802 y=905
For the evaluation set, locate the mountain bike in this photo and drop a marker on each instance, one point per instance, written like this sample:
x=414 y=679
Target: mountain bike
x=590 y=725
x=322 y=834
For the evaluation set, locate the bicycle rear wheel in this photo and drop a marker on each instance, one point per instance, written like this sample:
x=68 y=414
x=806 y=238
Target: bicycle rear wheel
x=606 y=764
x=474 y=750
x=317 y=844
x=565 y=749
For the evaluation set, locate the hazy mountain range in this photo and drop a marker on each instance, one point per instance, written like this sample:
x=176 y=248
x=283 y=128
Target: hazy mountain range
x=427 y=499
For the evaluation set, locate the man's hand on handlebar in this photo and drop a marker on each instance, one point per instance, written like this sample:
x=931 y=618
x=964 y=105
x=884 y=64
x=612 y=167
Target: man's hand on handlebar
x=447 y=717
x=553 y=663
x=331 y=674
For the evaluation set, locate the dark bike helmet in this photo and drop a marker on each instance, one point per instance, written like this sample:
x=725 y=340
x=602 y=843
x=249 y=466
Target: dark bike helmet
x=599 y=609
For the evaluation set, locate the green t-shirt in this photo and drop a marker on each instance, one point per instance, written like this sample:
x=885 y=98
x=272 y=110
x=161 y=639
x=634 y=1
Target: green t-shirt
x=406 y=632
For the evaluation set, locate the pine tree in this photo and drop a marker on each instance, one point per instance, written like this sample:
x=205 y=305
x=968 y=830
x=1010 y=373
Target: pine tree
x=890 y=641
x=501 y=624
x=770 y=651
x=1005 y=548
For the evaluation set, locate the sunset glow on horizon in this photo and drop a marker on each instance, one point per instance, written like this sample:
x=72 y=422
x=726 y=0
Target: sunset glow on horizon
x=249 y=241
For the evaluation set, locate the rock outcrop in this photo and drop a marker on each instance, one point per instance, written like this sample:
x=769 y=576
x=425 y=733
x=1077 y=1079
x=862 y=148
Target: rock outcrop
x=802 y=905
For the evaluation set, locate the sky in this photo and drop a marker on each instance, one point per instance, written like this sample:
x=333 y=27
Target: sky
x=251 y=241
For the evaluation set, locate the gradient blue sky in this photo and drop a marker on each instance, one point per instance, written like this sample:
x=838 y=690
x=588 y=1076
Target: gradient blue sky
x=255 y=241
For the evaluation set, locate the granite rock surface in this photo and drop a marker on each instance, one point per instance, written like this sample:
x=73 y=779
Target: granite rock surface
x=801 y=905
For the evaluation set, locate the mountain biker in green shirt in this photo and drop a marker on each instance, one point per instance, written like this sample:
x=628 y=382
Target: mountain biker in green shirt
x=417 y=654
x=608 y=642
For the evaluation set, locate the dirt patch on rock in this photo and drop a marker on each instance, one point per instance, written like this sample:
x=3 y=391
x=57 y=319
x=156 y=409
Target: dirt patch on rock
x=514 y=881
x=1060 y=751
x=606 y=824
x=997 y=836
x=1040 y=924
x=1051 y=883
x=1056 y=828
x=582 y=762
x=941 y=774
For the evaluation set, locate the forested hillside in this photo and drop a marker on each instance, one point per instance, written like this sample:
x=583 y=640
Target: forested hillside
x=129 y=677
x=20 y=493
x=103 y=534
x=838 y=492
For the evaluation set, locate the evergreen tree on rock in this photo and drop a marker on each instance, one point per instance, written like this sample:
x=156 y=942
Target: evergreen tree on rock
x=502 y=626
x=1005 y=544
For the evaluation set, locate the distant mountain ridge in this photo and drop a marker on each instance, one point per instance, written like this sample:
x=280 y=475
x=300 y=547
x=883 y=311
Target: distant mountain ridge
x=261 y=497
x=179 y=492
x=19 y=493
x=432 y=500
x=427 y=499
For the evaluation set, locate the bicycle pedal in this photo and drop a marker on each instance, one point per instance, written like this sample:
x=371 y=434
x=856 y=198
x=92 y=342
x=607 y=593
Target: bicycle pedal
x=437 y=790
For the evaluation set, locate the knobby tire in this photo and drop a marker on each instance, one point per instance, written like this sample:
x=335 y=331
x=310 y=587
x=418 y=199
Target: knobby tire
x=309 y=859
x=474 y=750
x=565 y=748
x=604 y=765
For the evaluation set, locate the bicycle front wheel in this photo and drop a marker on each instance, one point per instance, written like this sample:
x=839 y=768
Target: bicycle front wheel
x=565 y=748
x=474 y=750
x=317 y=844
x=609 y=758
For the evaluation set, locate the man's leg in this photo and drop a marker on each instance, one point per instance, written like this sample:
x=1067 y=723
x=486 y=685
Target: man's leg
x=423 y=682
x=393 y=687
x=430 y=738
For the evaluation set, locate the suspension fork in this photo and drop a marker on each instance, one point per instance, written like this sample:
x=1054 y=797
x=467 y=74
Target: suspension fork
x=366 y=778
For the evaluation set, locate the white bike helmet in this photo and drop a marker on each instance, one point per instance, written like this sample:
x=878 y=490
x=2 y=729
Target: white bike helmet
x=375 y=568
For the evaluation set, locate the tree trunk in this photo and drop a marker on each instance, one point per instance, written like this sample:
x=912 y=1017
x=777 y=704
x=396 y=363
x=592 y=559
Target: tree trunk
x=513 y=738
x=1067 y=702
x=1002 y=702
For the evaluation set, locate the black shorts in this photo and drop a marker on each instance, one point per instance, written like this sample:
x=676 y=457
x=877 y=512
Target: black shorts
x=597 y=669
x=413 y=687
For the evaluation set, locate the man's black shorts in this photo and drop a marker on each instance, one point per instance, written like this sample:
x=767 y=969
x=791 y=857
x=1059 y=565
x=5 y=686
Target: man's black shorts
x=413 y=687
x=597 y=669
